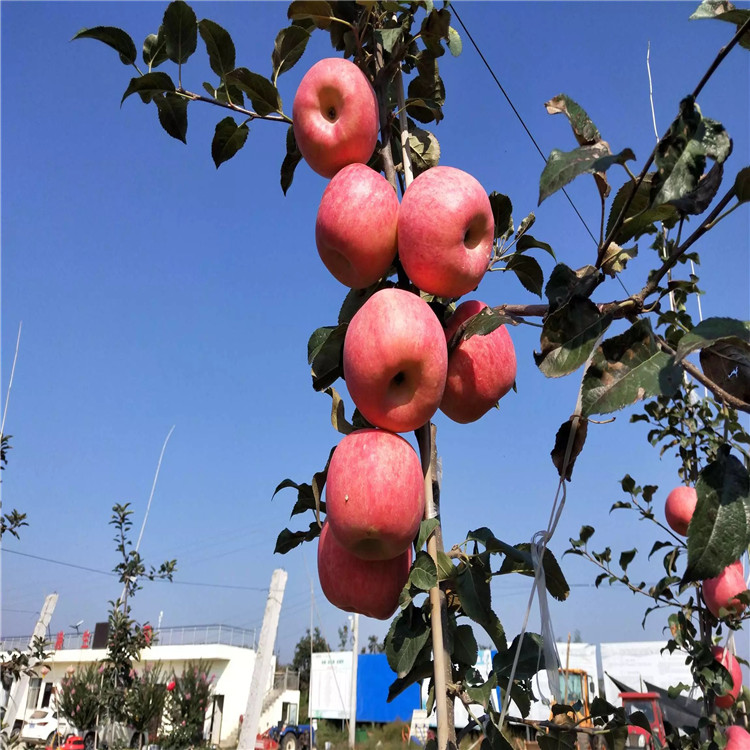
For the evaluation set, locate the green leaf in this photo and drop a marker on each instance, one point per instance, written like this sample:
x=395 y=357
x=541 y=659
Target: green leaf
x=698 y=200
x=628 y=368
x=446 y=568
x=118 y=39
x=639 y=218
x=709 y=332
x=408 y=635
x=465 y=650
x=229 y=138
x=318 y=11
x=424 y=150
x=155 y=49
x=473 y=588
x=485 y=321
x=569 y=335
x=288 y=47
x=528 y=271
x=526 y=242
x=180 y=31
x=720 y=526
x=455 y=46
x=324 y=353
x=423 y=573
x=288 y=540
x=584 y=129
x=425 y=529
x=262 y=93
x=530 y=659
x=626 y=558
x=723 y=10
x=173 y=114
x=219 y=45
x=291 y=160
x=426 y=91
x=148 y=86
x=742 y=185
x=502 y=211
x=603 y=164
x=420 y=671
x=565 y=283
x=559 y=450
x=563 y=167
x=389 y=37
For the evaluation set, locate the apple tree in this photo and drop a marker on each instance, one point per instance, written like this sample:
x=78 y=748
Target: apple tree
x=406 y=346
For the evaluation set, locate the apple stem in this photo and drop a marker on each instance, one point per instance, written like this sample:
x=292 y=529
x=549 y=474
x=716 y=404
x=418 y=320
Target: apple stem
x=404 y=127
x=381 y=84
x=441 y=658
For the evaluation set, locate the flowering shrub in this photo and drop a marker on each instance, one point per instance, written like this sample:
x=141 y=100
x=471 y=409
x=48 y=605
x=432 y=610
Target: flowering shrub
x=78 y=697
x=144 y=700
x=185 y=706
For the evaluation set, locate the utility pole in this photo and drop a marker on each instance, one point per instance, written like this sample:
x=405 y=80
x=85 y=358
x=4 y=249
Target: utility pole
x=263 y=657
x=353 y=694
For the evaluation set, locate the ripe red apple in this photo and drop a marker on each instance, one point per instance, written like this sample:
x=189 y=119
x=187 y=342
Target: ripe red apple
x=679 y=508
x=335 y=114
x=356 y=226
x=481 y=370
x=369 y=587
x=721 y=591
x=727 y=660
x=395 y=360
x=374 y=494
x=737 y=738
x=445 y=232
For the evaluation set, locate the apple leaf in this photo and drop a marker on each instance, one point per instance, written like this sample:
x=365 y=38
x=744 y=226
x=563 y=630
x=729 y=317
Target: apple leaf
x=616 y=258
x=502 y=212
x=528 y=271
x=445 y=567
x=526 y=242
x=423 y=575
x=710 y=331
x=628 y=368
x=421 y=671
x=727 y=363
x=485 y=321
x=155 y=49
x=723 y=10
x=473 y=589
x=118 y=39
x=324 y=352
x=425 y=529
x=584 y=129
x=219 y=45
x=288 y=47
x=148 y=86
x=560 y=448
x=465 y=649
x=261 y=92
x=564 y=283
x=288 y=540
x=569 y=335
x=305 y=497
x=742 y=185
x=482 y=694
x=228 y=139
x=557 y=586
x=408 y=635
x=180 y=31
x=424 y=149
x=291 y=160
x=530 y=658
x=173 y=114
x=564 y=166
x=719 y=530
x=318 y=11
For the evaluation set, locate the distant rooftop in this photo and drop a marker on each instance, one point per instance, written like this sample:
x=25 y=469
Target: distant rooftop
x=188 y=635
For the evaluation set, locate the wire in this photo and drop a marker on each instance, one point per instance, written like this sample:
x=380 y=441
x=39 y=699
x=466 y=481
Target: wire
x=518 y=115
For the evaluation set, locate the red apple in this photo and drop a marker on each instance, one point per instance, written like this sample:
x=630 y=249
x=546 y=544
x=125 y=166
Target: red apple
x=737 y=738
x=369 y=587
x=727 y=660
x=395 y=360
x=356 y=226
x=720 y=592
x=481 y=370
x=679 y=508
x=374 y=494
x=445 y=232
x=335 y=115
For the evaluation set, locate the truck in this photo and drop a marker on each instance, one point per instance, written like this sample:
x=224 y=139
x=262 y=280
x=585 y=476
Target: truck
x=649 y=705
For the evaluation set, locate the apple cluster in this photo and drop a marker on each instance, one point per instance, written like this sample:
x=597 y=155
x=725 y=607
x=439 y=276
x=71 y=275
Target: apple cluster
x=396 y=360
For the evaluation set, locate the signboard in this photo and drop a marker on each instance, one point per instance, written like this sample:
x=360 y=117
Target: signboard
x=330 y=685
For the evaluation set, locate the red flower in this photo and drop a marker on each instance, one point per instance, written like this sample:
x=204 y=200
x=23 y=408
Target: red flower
x=171 y=685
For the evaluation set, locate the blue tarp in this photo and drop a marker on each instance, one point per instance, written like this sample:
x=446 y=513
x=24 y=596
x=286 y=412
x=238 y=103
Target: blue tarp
x=374 y=677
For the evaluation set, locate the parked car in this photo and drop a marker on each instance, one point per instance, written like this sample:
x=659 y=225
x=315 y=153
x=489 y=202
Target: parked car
x=43 y=727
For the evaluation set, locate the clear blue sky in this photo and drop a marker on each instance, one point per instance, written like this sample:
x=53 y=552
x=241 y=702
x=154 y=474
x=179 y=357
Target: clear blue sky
x=155 y=291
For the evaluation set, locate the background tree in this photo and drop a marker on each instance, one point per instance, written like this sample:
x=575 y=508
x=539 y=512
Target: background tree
x=187 y=700
x=301 y=664
x=79 y=696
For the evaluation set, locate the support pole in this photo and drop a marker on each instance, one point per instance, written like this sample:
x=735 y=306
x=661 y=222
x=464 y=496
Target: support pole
x=353 y=693
x=262 y=667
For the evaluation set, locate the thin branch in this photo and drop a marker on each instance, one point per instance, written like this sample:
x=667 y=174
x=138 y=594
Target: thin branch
x=651 y=90
x=10 y=382
x=381 y=84
x=281 y=117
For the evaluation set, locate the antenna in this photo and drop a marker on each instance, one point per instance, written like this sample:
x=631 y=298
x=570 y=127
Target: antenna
x=77 y=626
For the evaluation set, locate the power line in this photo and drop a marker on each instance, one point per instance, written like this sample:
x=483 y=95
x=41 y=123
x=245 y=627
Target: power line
x=518 y=115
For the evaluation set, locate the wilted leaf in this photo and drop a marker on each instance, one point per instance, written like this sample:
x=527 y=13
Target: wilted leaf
x=569 y=335
x=502 y=211
x=338 y=413
x=288 y=47
x=628 y=368
x=173 y=114
x=229 y=138
x=723 y=10
x=616 y=258
x=584 y=129
x=118 y=39
x=148 y=86
x=564 y=166
x=562 y=438
x=180 y=31
x=454 y=42
x=698 y=200
x=424 y=150
x=720 y=526
x=727 y=363
x=261 y=92
x=219 y=45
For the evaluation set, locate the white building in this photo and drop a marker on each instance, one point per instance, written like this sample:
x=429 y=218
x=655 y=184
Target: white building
x=228 y=653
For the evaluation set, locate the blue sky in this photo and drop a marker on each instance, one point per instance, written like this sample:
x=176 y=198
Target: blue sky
x=155 y=291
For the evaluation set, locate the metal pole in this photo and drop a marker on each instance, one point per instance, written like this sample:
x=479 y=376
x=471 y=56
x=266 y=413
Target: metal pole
x=309 y=689
x=353 y=693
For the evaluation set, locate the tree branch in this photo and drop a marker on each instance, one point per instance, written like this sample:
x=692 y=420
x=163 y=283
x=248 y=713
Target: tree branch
x=281 y=117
